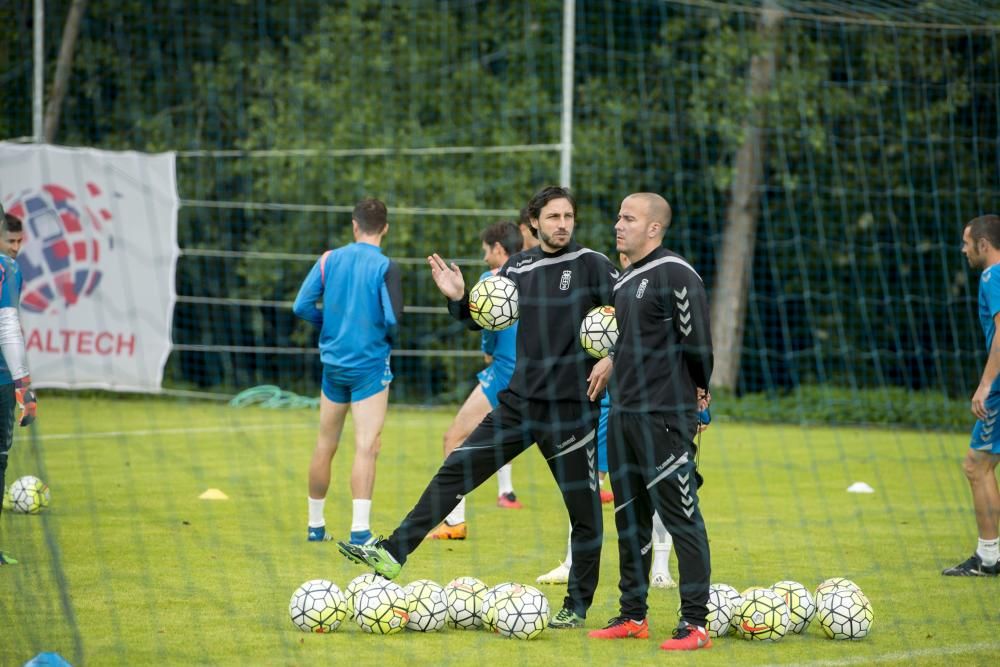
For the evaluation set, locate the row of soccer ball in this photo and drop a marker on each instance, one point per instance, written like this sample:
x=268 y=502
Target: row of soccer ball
x=493 y=305
x=768 y=614
x=27 y=495
x=381 y=607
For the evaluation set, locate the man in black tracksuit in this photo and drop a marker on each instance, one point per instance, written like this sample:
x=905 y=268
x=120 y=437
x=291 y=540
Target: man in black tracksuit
x=662 y=365
x=546 y=402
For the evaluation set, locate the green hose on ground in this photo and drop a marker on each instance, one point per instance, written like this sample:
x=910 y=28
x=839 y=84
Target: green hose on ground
x=272 y=397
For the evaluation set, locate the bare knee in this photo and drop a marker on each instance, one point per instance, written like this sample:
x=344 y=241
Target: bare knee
x=977 y=466
x=369 y=447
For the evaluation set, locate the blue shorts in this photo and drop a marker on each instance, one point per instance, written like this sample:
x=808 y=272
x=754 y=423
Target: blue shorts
x=602 y=438
x=493 y=381
x=986 y=432
x=350 y=385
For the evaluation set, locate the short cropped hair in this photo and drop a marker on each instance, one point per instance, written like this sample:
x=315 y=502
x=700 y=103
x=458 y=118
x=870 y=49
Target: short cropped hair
x=547 y=194
x=985 y=227
x=371 y=215
x=11 y=223
x=506 y=233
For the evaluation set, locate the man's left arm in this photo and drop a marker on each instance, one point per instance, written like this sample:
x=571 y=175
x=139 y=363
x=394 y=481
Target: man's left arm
x=691 y=321
x=990 y=373
x=392 y=301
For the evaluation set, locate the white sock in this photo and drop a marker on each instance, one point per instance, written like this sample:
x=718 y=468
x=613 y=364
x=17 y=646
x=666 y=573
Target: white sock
x=457 y=515
x=316 y=519
x=662 y=543
x=569 y=548
x=504 y=480
x=989 y=551
x=361 y=520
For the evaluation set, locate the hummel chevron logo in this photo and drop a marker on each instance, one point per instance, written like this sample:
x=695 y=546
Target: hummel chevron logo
x=683 y=305
x=689 y=511
x=686 y=489
x=683 y=479
x=687 y=500
x=685 y=318
x=685 y=330
x=682 y=294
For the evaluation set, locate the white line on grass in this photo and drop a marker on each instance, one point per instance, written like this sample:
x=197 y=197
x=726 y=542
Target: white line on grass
x=174 y=431
x=909 y=655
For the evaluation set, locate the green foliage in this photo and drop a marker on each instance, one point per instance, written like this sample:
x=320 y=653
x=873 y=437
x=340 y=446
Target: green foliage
x=830 y=405
x=879 y=144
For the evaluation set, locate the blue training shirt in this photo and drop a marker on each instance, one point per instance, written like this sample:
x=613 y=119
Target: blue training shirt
x=989 y=302
x=502 y=345
x=10 y=297
x=362 y=297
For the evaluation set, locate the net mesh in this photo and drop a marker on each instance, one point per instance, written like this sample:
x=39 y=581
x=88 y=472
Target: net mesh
x=879 y=141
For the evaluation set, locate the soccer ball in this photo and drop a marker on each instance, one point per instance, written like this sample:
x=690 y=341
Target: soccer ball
x=317 y=606
x=29 y=495
x=721 y=606
x=832 y=584
x=493 y=303
x=846 y=614
x=381 y=609
x=356 y=585
x=737 y=600
x=488 y=611
x=762 y=615
x=521 y=612
x=427 y=606
x=465 y=603
x=599 y=331
x=801 y=607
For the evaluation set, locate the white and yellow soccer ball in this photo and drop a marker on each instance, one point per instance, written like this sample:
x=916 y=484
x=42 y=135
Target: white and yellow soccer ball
x=465 y=603
x=845 y=613
x=493 y=303
x=317 y=606
x=761 y=616
x=599 y=331
x=381 y=608
x=830 y=585
x=721 y=607
x=737 y=600
x=29 y=495
x=801 y=606
x=488 y=611
x=427 y=606
x=355 y=586
x=521 y=612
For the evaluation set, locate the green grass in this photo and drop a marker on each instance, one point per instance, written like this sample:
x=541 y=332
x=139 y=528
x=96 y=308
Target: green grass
x=129 y=567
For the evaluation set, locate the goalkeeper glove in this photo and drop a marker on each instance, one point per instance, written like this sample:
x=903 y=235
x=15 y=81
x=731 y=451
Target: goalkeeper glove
x=25 y=400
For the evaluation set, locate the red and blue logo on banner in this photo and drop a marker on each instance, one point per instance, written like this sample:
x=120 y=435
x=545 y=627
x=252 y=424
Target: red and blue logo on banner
x=68 y=237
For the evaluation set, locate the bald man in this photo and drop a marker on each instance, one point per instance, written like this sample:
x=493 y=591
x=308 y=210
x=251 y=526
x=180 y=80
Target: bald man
x=661 y=366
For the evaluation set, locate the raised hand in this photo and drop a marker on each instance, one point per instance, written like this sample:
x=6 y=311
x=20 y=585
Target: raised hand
x=448 y=279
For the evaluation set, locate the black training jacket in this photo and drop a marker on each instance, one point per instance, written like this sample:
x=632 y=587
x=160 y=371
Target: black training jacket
x=664 y=348
x=555 y=291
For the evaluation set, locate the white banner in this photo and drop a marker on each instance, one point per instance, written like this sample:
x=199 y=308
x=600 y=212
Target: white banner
x=98 y=263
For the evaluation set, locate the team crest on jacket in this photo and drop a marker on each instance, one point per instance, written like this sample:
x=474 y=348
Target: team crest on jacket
x=642 y=288
x=567 y=276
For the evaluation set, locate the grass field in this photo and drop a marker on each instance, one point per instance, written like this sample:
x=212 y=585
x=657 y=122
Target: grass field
x=129 y=567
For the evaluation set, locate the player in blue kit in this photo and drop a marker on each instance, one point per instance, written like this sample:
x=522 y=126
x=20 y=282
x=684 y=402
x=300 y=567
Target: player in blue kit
x=981 y=247
x=15 y=382
x=500 y=241
x=354 y=295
